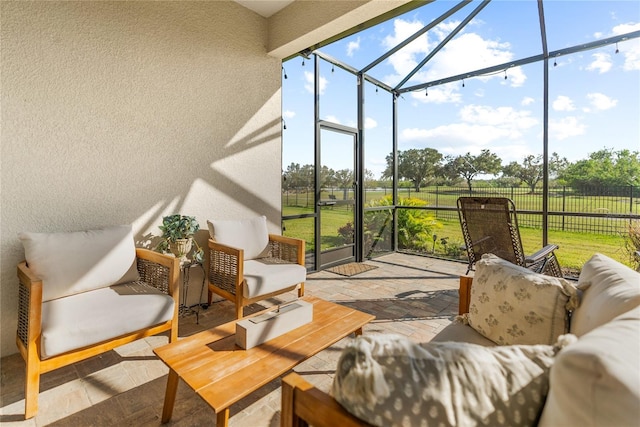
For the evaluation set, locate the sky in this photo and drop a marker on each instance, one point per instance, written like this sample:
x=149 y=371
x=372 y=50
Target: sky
x=594 y=95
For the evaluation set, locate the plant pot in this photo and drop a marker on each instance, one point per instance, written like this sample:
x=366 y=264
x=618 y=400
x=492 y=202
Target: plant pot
x=181 y=247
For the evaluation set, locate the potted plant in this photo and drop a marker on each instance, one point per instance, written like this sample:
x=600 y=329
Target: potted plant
x=177 y=236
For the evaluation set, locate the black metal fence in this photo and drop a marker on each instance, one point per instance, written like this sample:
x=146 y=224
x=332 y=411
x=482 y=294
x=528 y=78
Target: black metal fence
x=598 y=210
x=593 y=210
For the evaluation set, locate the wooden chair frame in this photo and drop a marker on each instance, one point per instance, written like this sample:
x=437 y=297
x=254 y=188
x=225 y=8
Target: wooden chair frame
x=225 y=264
x=159 y=270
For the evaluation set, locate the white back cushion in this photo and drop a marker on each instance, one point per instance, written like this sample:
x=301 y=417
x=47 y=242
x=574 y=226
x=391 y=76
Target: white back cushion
x=251 y=235
x=75 y=262
x=596 y=381
x=610 y=289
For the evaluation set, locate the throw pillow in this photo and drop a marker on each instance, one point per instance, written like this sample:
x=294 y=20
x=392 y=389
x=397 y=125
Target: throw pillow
x=388 y=380
x=80 y=261
x=596 y=381
x=513 y=305
x=250 y=235
x=609 y=289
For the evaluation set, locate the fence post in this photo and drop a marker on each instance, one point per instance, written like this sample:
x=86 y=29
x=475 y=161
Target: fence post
x=630 y=203
x=564 y=188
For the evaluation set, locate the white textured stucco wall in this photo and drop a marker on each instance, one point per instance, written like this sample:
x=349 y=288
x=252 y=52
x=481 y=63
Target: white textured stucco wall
x=122 y=112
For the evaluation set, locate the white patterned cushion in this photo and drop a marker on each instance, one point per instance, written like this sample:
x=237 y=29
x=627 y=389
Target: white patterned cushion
x=513 y=305
x=251 y=235
x=391 y=381
x=610 y=289
x=75 y=262
x=596 y=381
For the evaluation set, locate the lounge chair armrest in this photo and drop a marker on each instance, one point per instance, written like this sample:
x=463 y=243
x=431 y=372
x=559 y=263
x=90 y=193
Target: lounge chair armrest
x=287 y=248
x=541 y=254
x=159 y=270
x=29 y=305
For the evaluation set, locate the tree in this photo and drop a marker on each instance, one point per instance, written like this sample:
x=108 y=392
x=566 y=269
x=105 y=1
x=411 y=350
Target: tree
x=604 y=170
x=468 y=166
x=415 y=165
x=557 y=165
x=344 y=180
x=529 y=172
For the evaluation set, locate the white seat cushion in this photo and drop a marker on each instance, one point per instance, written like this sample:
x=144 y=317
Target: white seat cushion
x=250 y=235
x=262 y=277
x=80 y=261
x=461 y=332
x=102 y=314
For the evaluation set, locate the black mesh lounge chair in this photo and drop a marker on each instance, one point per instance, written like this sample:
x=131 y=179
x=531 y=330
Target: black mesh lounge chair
x=490 y=225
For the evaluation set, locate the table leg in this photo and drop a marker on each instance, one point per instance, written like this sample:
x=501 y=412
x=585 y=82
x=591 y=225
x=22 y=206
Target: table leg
x=222 y=418
x=358 y=332
x=170 y=396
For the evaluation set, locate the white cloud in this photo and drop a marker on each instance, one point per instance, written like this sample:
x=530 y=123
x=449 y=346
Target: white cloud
x=527 y=100
x=333 y=119
x=630 y=49
x=448 y=93
x=352 y=46
x=566 y=128
x=466 y=52
x=480 y=127
x=370 y=123
x=288 y=114
x=601 y=63
x=308 y=77
x=504 y=117
x=601 y=101
x=563 y=103
x=407 y=58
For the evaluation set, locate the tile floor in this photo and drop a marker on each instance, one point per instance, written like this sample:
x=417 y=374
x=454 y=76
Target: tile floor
x=409 y=295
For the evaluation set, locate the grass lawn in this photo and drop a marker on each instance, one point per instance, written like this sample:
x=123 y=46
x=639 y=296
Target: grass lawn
x=575 y=248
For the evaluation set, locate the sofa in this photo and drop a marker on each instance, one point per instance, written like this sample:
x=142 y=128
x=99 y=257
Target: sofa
x=526 y=349
x=84 y=293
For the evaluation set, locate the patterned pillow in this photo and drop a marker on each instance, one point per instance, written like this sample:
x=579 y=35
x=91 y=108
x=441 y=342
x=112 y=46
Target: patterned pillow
x=513 y=305
x=388 y=380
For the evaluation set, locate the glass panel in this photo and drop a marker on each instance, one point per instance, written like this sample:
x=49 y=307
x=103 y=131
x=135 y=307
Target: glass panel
x=338 y=95
x=571 y=23
x=378 y=142
x=297 y=140
x=593 y=128
x=337 y=198
x=302 y=228
x=378 y=232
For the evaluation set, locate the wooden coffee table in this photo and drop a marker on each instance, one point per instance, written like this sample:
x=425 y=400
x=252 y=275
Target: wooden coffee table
x=222 y=373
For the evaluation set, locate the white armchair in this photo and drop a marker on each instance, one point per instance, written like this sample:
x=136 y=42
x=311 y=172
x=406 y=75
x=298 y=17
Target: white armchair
x=85 y=293
x=246 y=264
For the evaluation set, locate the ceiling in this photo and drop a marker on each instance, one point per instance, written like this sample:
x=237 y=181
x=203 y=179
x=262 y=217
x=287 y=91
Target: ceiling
x=265 y=8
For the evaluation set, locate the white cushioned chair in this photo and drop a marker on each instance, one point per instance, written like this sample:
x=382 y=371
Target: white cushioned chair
x=246 y=264
x=85 y=293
